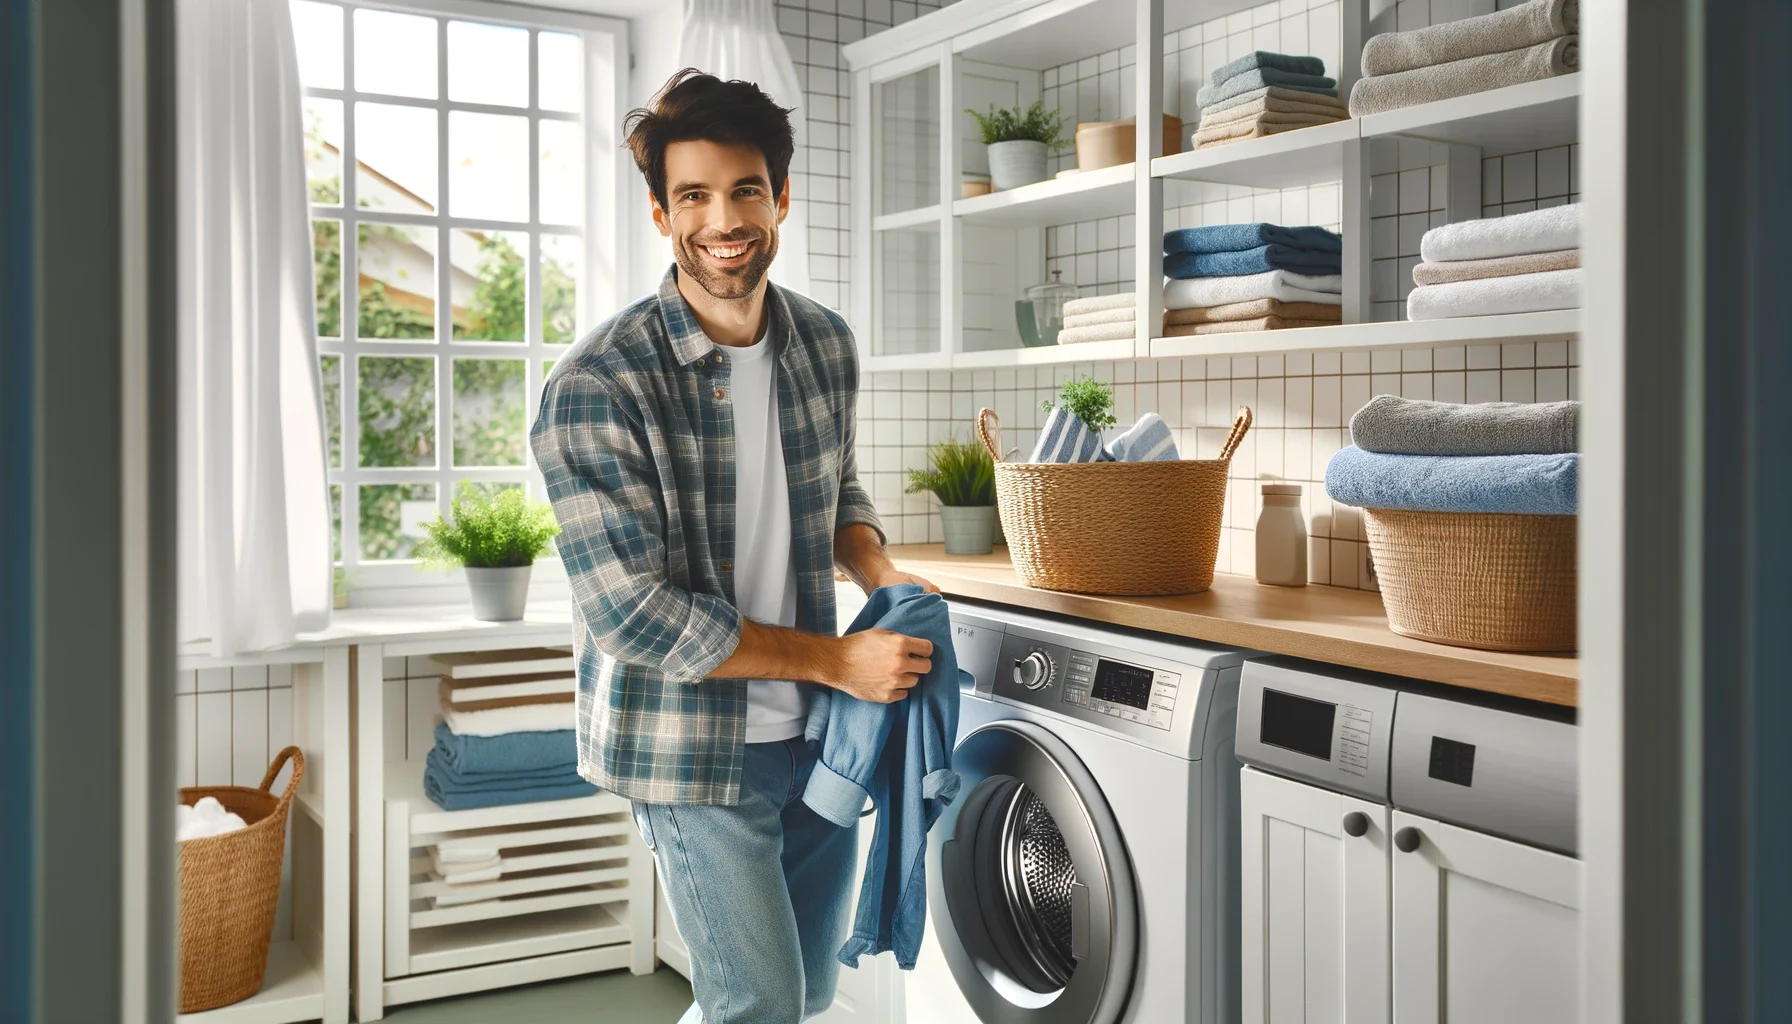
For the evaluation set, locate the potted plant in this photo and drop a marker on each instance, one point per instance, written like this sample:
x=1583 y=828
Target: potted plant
x=1018 y=141
x=963 y=478
x=497 y=537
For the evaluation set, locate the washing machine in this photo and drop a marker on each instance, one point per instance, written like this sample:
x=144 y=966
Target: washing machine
x=1088 y=871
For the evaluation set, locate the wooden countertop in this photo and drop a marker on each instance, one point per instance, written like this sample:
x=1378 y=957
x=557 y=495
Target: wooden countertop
x=1329 y=624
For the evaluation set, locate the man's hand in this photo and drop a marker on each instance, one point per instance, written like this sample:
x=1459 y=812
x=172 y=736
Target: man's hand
x=860 y=554
x=880 y=666
x=894 y=576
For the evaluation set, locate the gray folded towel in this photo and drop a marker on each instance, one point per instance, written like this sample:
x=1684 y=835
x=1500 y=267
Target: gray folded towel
x=1266 y=59
x=1407 y=426
x=1263 y=78
x=1380 y=93
x=1511 y=29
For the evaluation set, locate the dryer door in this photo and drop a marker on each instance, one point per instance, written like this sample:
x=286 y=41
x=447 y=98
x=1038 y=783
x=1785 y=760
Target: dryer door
x=1032 y=894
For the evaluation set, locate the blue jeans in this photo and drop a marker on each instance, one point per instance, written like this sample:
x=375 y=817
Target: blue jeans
x=759 y=891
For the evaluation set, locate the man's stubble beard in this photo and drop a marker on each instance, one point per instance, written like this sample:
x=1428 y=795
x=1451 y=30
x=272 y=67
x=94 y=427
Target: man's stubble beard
x=726 y=286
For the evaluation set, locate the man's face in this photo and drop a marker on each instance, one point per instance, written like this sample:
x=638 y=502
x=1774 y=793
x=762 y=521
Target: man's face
x=721 y=215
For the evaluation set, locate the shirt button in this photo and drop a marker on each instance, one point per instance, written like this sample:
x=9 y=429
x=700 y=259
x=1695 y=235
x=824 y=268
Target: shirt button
x=727 y=566
x=717 y=359
x=719 y=393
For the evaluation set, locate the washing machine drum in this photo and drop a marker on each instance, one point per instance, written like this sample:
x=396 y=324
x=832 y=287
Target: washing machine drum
x=1032 y=894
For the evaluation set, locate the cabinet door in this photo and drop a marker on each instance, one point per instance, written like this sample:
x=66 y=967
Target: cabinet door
x=1486 y=931
x=1315 y=905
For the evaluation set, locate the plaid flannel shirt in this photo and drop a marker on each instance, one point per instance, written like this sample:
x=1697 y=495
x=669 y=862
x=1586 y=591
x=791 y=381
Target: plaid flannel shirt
x=636 y=442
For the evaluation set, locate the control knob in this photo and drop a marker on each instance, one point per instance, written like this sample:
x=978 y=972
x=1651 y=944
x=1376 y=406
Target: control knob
x=1033 y=671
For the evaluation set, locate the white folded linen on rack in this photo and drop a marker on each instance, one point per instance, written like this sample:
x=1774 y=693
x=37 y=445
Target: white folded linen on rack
x=464 y=872
x=1546 y=230
x=521 y=718
x=1286 y=285
x=1489 y=296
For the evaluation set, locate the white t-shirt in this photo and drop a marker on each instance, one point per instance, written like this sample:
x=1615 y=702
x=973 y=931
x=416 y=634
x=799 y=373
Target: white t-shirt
x=764 y=575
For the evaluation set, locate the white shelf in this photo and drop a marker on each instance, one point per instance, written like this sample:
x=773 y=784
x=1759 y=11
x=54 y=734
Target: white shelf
x=1087 y=195
x=404 y=781
x=1534 y=115
x=291 y=991
x=555 y=931
x=1466 y=330
x=926 y=217
x=1047 y=355
x=1305 y=156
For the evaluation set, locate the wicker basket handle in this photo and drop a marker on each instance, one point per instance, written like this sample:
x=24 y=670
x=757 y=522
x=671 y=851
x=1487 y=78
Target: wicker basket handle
x=989 y=431
x=297 y=757
x=1240 y=427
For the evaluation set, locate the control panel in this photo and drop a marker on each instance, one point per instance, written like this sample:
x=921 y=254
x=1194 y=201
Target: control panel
x=1049 y=675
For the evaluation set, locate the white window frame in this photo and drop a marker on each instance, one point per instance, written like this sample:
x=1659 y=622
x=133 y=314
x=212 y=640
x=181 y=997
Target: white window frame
x=603 y=235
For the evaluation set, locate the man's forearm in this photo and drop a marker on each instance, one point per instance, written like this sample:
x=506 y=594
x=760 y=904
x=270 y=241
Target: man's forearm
x=773 y=652
x=859 y=553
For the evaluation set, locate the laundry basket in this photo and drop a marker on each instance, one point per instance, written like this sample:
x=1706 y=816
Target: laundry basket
x=1494 y=582
x=229 y=889
x=1120 y=528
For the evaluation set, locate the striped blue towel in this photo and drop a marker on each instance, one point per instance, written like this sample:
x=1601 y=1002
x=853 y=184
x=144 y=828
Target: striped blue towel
x=1148 y=440
x=1065 y=438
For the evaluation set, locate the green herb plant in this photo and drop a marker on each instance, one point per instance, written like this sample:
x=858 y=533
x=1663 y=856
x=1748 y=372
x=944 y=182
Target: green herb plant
x=489 y=531
x=1011 y=124
x=1088 y=400
x=957 y=474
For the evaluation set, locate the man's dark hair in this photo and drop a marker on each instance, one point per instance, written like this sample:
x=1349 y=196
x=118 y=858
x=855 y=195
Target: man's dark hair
x=693 y=105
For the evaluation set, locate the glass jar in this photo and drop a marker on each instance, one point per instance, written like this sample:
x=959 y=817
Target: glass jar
x=1282 y=537
x=1040 y=316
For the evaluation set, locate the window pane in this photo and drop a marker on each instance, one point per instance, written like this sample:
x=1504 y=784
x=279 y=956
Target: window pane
x=392 y=518
x=559 y=289
x=488 y=166
x=488 y=412
x=317 y=29
x=398 y=411
x=562 y=172
x=398 y=281
x=326 y=271
x=488 y=64
x=491 y=277
x=562 y=71
x=395 y=158
x=330 y=367
x=395 y=54
x=336 y=523
x=323 y=149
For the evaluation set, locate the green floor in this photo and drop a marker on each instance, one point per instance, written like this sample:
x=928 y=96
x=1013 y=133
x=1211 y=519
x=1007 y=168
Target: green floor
x=614 y=996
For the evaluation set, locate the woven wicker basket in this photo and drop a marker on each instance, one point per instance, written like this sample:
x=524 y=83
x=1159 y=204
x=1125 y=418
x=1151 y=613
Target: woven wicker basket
x=1487 y=581
x=229 y=889
x=1120 y=528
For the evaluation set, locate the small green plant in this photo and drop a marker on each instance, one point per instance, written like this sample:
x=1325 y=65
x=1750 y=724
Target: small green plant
x=1011 y=124
x=957 y=474
x=1088 y=400
x=489 y=531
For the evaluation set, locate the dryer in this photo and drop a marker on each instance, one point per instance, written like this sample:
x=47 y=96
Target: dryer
x=1087 y=872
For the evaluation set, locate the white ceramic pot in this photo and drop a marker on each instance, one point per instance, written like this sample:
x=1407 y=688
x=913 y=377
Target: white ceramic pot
x=970 y=529
x=499 y=594
x=1016 y=163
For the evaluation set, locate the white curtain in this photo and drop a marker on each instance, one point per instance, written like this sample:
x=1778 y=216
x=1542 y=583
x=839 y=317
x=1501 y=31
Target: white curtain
x=739 y=39
x=254 y=515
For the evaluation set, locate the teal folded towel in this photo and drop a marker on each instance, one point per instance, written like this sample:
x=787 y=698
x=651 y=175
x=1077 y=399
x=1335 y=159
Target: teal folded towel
x=1261 y=260
x=1544 y=485
x=511 y=752
x=1239 y=237
x=452 y=791
x=1274 y=61
x=1261 y=77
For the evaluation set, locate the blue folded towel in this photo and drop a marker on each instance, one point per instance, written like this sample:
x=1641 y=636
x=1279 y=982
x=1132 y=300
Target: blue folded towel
x=1527 y=484
x=1239 y=237
x=1066 y=438
x=452 y=792
x=512 y=752
x=1261 y=260
x=1148 y=440
x=1273 y=61
x=1258 y=78
x=462 y=782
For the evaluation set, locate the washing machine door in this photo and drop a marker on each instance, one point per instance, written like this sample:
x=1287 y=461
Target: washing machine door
x=1032 y=895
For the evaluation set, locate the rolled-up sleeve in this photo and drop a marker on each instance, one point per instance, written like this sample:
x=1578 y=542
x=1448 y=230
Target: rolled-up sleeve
x=854 y=505
x=591 y=444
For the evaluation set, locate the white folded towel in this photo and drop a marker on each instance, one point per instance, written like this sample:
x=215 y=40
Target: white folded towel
x=1286 y=285
x=491 y=874
x=1121 y=315
x=1545 y=230
x=1097 y=332
x=204 y=819
x=1488 y=296
x=457 y=854
x=1066 y=438
x=458 y=900
x=1097 y=303
x=1148 y=440
x=521 y=718
x=461 y=872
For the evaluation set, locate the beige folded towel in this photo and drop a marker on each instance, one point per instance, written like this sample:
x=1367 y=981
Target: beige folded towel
x=1099 y=332
x=1328 y=311
x=1276 y=92
x=1256 y=128
x=1262 y=323
x=1107 y=316
x=1511 y=29
x=1381 y=93
x=1099 y=303
x=445 y=694
x=1269 y=105
x=1504 y=266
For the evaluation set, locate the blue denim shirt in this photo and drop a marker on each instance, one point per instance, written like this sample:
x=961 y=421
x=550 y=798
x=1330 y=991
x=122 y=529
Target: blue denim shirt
x=899 y=755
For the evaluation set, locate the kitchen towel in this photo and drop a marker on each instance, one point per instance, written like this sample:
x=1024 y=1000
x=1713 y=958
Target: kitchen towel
x=1330 y=312
x=1263 y=323
x=1543 y=485
x=1273 y=93
x=1499 y=266
x=446 y=695
x=1265 y=107
x=1391 y=425
x=1195 y=292
x=1262 y=259
x=1550 y=229
x=1489 y=296
x=1066 y=438
x=1099 y=332
x=1511 y=29
x=509 y=752
x=1381 y=93
x=499 y=721
x=1100 y=303
x=1148 y=440
x=1123 y=315
x=1256 y=128
x=1266 y=59
x=1240 y=237
x=1260 y=78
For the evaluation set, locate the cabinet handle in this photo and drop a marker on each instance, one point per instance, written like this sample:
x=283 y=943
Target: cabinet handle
x=1356 y=823
x=1407 y=839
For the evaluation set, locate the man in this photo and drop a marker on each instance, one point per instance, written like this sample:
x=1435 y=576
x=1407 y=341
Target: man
x=698 y=449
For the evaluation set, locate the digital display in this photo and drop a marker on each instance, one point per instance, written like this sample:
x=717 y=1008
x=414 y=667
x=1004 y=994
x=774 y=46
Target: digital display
x=1299 y=724
x=1452 y=761
x=1122 y=684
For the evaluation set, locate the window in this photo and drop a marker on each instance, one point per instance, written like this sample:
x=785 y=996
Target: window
x=463 y=162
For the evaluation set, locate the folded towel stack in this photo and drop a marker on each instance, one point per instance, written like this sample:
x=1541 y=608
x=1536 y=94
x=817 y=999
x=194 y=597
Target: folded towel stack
x=1263 y=93
x=1100 y=318
x=506 y=739
x=1519 y=264
x=1227 y=278
x=1531 y=41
